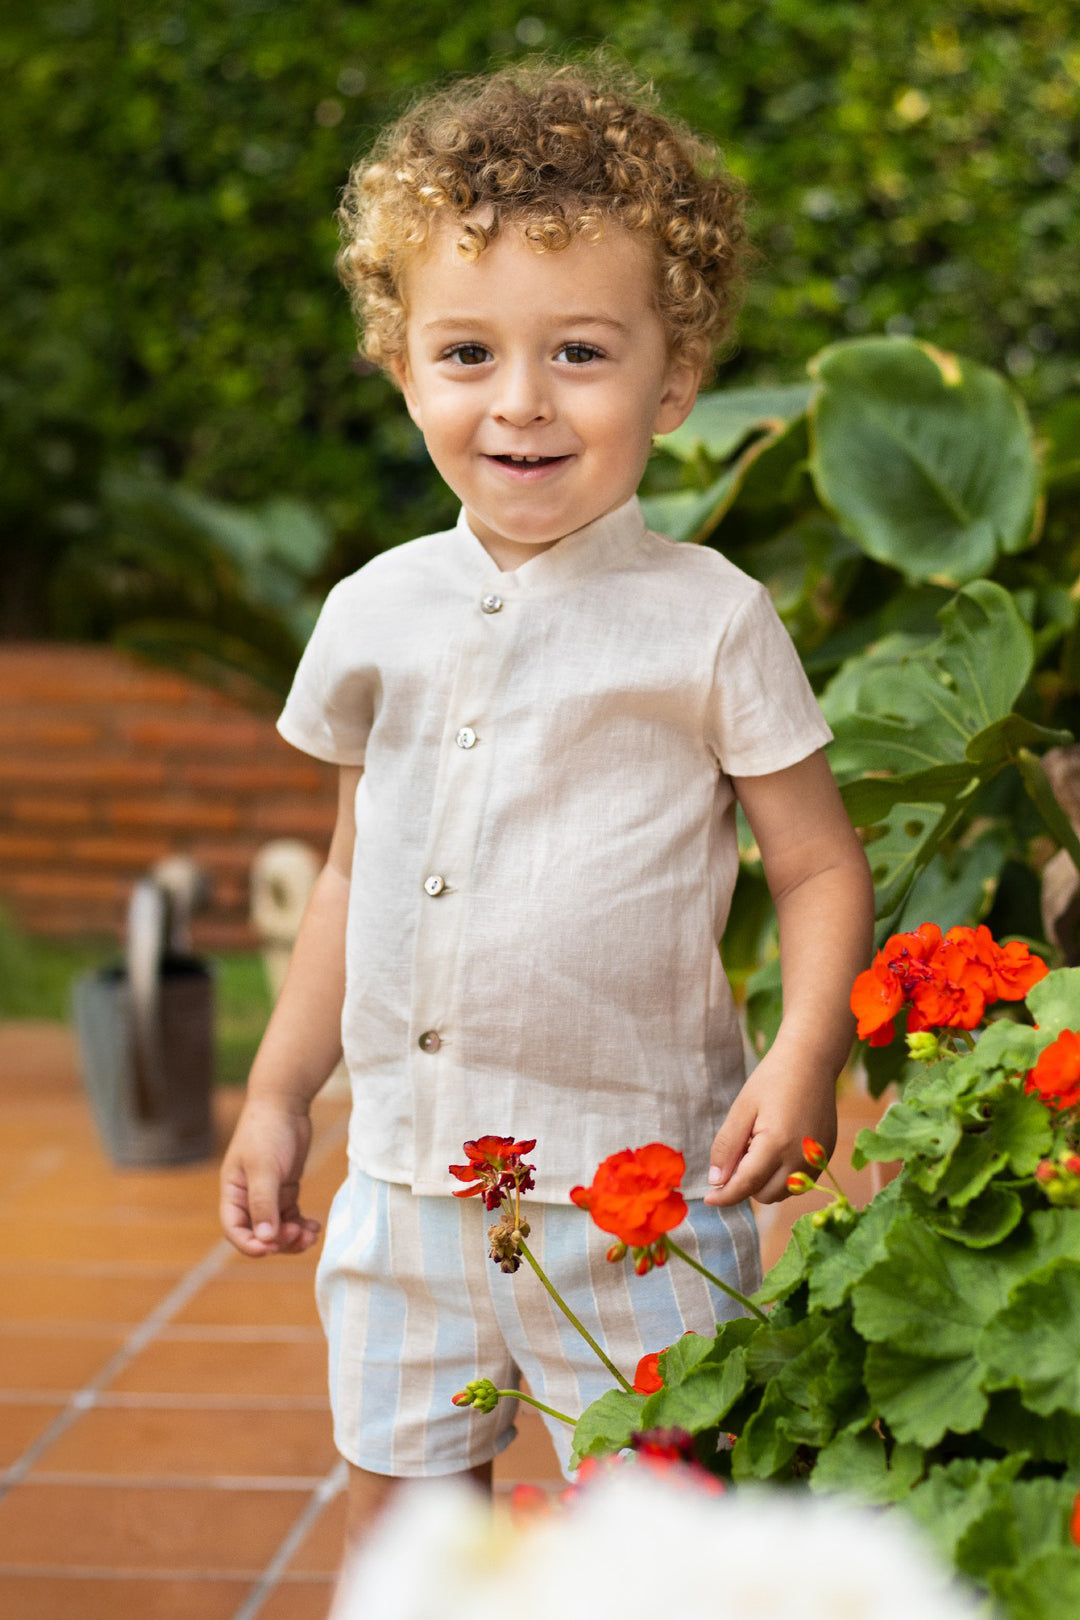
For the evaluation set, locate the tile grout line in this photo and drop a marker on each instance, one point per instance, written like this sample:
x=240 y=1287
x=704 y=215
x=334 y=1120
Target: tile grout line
x=324 y=1493
x=190 y=1283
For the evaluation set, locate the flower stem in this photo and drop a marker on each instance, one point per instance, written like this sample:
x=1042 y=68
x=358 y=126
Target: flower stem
x=570 y=1317
x=516 y=1395
x=747 y=1304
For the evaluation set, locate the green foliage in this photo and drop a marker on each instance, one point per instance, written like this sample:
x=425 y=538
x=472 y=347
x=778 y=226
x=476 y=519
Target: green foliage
x=903 y=471
x=924 y=1353
x=171 y=174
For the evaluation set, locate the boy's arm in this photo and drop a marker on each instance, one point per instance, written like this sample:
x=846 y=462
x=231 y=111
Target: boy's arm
x=260 y=1176
x=820 y=883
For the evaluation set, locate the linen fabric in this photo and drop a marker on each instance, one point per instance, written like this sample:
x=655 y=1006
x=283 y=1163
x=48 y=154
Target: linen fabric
x=413 y=1309
x=545 y=839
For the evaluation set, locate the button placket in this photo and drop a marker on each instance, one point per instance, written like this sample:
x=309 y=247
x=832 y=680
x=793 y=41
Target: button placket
x=457 y=813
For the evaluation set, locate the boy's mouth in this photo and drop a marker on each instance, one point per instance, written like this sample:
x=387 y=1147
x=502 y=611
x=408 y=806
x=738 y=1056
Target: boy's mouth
x=528 y=461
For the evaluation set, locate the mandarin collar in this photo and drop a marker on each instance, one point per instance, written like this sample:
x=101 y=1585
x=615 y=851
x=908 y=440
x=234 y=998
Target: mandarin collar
x=598 y=545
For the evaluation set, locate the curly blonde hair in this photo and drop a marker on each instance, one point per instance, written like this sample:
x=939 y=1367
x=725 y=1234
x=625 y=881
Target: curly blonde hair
x=558 y=150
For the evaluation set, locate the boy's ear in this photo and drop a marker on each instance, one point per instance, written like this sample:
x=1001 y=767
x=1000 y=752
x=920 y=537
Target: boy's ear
x=680 y=391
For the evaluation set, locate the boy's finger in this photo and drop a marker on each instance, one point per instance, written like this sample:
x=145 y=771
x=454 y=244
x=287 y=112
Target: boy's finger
x=729 y=1146
x=755 y=1170
x=263 y=1193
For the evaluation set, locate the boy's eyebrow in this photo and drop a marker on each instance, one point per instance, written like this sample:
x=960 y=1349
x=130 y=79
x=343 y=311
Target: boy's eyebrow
x=478 y=322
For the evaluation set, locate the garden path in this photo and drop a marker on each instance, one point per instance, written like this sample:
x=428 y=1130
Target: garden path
x=165 y=1444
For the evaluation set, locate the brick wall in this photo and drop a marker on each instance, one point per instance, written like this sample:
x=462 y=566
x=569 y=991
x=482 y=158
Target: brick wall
x=107 y=764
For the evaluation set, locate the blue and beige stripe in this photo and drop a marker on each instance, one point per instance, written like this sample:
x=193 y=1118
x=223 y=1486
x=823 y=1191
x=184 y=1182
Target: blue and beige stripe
x=413 y=1308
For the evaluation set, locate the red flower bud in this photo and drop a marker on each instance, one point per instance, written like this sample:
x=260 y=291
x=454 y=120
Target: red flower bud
x=617 y=1251
x=814 y=1153
x=659 y=1254
x=643 y=1264
x=1074 y=1520
x=1045 y=1171
x=462 y=1398
x=799 y=1182
x=1071 y=1163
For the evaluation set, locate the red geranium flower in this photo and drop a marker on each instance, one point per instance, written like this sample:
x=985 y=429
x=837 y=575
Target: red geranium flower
x=945 y=981
x=495 y=1167
x=1056 y=1076
x=635 y=1194
x=647 y=1379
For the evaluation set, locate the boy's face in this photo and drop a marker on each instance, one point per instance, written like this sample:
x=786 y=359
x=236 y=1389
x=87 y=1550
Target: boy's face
x=558 y=357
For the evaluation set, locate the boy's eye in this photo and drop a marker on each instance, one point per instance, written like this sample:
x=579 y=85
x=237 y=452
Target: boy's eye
x=579 y=353
x=467 y=354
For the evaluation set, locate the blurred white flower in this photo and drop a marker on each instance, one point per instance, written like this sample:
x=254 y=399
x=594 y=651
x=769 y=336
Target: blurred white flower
x=637 y=1548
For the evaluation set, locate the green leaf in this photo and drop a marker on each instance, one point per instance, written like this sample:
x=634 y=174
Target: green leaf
x=1043 y=1588
x=1021 y=1127
x=1054 y=1003
x=687 y=514
x=907 y=1131
x=606 y=1425
x=764 y=1449
x=1004 y=1048
x=856 y=1465
x=719 y=423
x=788 y=1272
x=1032 y=1343
x=923 y=1398
x=927 y=460
x=923 y=1308
x=703 y=1397
x=1011 y=1426
x=861 y=1247
x=683 y=1356
x=983 y=1223
x=921 y=709
x=952 y=1498
x=1024 y=1519
x=824 y=1385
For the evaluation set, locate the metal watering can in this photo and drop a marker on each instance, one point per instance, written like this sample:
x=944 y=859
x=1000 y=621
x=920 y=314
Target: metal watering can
x=145 y=1028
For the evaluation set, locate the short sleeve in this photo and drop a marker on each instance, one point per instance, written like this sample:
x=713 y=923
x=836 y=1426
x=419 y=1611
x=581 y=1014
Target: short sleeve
x=330 y=707
x=763 y=715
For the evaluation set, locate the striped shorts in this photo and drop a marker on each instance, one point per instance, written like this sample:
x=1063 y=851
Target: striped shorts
x=413 y=1309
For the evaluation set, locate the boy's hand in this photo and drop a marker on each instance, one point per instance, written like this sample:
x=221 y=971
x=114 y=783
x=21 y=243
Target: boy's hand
x=760 y=1143
x=260 y=1182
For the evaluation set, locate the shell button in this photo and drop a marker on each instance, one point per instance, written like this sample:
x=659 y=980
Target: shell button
x=434 y=884
x=490 y=603
x=430 y=1041
x=466 y=737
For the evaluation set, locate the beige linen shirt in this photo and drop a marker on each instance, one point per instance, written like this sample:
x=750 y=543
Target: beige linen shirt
x=545 y=839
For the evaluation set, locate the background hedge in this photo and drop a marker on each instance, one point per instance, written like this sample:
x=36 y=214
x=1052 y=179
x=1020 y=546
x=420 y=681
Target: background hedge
x=171 y=171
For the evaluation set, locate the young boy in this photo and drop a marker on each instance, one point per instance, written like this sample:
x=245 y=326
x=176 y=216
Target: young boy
x=543 y=720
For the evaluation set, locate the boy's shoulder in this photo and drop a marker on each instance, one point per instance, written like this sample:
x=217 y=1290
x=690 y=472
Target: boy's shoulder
x=411 y=563
x=698 y=570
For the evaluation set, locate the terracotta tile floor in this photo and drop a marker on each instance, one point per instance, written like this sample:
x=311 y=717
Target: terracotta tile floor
x=165 y=1443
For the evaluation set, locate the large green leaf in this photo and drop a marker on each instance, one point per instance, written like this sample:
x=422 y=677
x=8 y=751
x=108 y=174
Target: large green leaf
x=719 y=423
x=953 y=1498
x=857 y=1465
x=923 y=1308
x=607 y=1424
x=1043 y=1588
x=921 y=726
x=1032 y=1343
x=1055 y=1002
x=927 y=460
x=687 y=514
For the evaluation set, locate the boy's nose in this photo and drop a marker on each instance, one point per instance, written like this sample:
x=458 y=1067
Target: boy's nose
x=523 y=396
